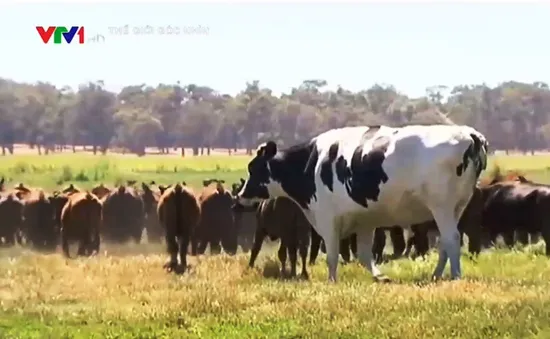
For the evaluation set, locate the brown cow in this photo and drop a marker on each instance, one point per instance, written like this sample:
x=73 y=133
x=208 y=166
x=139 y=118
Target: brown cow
x=123 y=215
x=39 y=223
x=11 y=219
x=81 y=221
x=150 y=199
x=216 y=223
x=101 y=191
x=179 y=213
x=281 y=218
x=516 y=205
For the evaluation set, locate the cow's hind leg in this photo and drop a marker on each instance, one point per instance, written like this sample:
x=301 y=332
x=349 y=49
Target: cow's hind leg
x=258 y=242
x=449 y=243
x=183 y=245
x=315 y=246
x=282 y=258
x=365 y=237
x=292 y=250
x=345 y=249
x=397 y=236
x=172 y=247
x=379 y=244
x=304 y=244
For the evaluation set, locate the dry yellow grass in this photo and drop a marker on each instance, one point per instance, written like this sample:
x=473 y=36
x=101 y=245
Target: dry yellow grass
x=125 y=294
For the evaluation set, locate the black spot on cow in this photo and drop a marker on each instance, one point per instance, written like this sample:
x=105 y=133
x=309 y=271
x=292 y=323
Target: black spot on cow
x=472 y=154
x=292 y=168
x=363 y=177
x=327 y=177
x=342 y=170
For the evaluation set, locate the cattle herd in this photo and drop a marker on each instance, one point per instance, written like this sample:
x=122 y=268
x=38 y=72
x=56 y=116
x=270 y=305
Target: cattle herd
x=320 y=195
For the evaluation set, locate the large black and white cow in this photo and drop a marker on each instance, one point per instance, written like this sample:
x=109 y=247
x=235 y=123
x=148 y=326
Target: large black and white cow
x=354 y=179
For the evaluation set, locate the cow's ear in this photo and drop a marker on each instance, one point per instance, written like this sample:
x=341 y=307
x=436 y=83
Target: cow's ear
x=270 y=149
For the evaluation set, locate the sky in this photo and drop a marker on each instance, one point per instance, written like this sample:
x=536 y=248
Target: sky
x=355 y=45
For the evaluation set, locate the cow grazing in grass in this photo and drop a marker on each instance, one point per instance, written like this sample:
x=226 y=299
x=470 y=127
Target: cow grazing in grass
x=516 y=205
x=123 y=215
x=179 y=213
x=216 y=226
x=39 y=225
x=354 y=179
x=11 y=219
x=281 y=218
x=81 y=222
x=150 y=196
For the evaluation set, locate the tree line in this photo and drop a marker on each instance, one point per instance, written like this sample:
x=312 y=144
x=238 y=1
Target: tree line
x=513 y=115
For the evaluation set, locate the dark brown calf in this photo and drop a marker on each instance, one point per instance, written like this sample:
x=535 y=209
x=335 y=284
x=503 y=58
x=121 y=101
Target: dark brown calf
x=281 y=218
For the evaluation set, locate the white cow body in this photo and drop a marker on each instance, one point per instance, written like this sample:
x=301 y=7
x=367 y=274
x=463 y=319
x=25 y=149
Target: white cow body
x=423 y=184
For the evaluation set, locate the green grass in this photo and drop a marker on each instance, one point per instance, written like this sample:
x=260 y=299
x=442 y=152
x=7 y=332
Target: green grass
x=86 y=170
x=124 y=293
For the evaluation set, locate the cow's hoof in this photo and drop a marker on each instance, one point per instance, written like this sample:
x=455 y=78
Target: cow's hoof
x=304 y=276
x=382 y=278
x=170 y=266
x=436 y=278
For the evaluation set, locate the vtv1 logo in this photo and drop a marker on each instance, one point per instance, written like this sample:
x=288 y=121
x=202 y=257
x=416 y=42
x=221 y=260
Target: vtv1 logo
x=60 y=31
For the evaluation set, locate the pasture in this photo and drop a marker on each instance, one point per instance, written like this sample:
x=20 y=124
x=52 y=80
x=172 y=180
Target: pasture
x=125 y=293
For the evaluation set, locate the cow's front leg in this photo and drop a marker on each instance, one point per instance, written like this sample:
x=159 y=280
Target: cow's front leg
x=365 y=237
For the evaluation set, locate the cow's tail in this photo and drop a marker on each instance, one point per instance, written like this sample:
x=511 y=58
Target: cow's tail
x=92 y=231
x=475 y=155
x=478 y=153
x=65 y=232
x=178 y=198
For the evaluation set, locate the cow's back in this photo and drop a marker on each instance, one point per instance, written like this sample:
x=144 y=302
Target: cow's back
x=401 y=168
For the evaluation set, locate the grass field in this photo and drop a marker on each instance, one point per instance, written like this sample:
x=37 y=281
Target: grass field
x=124 y=293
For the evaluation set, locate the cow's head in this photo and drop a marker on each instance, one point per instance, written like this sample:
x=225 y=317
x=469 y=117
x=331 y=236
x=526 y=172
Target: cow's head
x=100 y=191
x=255 y=187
